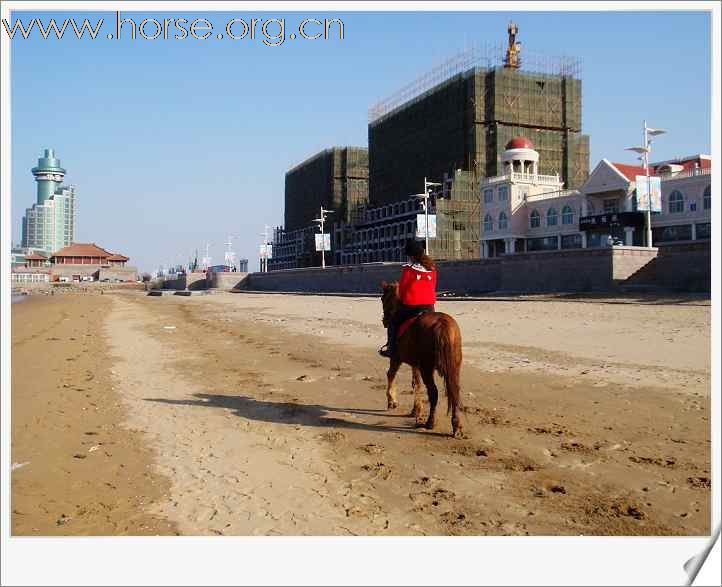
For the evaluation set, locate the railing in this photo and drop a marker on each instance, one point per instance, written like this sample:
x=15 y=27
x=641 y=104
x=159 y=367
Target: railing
x=536 y=178
x=554 y=194
x=687 y=173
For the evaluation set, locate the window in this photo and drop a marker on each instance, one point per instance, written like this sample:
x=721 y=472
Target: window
x=503 y=193
x=548 y=243
x=503 y=222
x=707 y=199
x=611 y=205
x=488 y=223
x=567 y=215
x=572 y=241
x=552 y=217
x=488 y=196
x=704 y=231
x=672 y=233
x=676 y=202
x=534 y=219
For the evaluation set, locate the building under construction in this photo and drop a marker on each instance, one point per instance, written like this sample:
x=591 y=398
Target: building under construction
x=336 y=178
x=452 y=125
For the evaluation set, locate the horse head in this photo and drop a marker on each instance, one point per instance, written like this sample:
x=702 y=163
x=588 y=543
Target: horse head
x=389 y=300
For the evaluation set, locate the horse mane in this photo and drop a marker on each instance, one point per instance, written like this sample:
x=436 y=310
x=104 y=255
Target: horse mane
x=391 y=286
x=390 y=296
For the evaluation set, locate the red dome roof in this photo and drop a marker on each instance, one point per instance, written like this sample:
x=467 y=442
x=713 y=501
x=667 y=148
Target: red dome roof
x=520 y=143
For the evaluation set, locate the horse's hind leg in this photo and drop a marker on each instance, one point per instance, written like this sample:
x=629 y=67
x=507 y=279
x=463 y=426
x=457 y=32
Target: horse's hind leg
x=391 y=400
x=456 y=423
x=428 y=376
x=416 y=386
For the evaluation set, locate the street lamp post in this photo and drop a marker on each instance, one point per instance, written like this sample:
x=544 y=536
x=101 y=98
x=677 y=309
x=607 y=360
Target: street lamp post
x=264 y=258
x=644 y=151
x=207 y=258
x=321 y=221
x=425 y=204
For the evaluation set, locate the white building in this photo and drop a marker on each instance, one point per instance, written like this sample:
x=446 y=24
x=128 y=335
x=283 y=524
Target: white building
x=523 y=211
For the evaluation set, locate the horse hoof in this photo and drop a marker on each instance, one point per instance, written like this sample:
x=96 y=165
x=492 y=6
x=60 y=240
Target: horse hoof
x=392 y=405
x=429 y=425
x=419 y=424
x=459 y=434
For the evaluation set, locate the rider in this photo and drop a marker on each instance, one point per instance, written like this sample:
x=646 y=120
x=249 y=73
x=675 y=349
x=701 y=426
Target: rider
x=417 y=291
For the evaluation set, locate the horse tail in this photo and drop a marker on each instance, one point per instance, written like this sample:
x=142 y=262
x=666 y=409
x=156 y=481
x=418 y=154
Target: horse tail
x=448 y=360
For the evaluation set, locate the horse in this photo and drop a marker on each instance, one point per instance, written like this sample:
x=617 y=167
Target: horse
x=431 y=343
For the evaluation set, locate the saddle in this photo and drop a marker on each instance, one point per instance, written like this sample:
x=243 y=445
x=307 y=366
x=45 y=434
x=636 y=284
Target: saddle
x=404 y=326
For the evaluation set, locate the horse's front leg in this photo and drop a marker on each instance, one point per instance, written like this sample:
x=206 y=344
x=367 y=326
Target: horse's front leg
x=418 y=403
x=391 y=399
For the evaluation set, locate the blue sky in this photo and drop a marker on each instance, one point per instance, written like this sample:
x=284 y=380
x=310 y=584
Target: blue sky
x=175 y=143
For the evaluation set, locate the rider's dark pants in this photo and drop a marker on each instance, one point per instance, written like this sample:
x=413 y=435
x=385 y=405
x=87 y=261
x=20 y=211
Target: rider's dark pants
x=403 y=314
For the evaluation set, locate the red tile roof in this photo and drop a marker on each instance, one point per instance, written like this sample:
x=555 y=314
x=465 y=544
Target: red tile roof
x=520 y=143
x=631 y=171
x=82 y=250
x=117 y=257
x=35 y=257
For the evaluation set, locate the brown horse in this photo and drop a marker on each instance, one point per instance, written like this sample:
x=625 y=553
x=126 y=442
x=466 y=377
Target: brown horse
x=431 y=343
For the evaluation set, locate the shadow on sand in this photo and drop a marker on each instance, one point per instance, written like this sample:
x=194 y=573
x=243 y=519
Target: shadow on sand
x=292 y=413
x=616 y=298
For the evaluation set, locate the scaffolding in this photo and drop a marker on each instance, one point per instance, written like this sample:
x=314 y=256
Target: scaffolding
x=485 y=56
x=454 y=122
x=335 y=178
x=458 y=222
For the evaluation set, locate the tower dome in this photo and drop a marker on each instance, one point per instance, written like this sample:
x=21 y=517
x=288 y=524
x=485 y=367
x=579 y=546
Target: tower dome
x=520 y=143
x=520 y=157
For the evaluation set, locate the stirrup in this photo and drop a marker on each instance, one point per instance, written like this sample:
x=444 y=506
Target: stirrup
x=385 y=351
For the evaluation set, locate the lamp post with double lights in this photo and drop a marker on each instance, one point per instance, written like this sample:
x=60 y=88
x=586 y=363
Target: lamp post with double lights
x=644 y=151
x=321 y=222
x=263 y=263
x=425 y=203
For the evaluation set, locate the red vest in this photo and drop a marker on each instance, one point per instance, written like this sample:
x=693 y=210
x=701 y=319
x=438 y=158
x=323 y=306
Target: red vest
x=417 y=286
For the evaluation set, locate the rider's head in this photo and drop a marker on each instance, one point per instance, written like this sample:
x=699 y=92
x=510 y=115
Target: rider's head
x=414 y=249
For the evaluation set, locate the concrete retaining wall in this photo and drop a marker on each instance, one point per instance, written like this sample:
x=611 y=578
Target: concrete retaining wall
x=226 y=280
x=57 y=271
x=352 y=279
x=192 y=281
x=576 y=270
x=118 y=274
x=178 y=283
x=111 y=273
x=682 y=267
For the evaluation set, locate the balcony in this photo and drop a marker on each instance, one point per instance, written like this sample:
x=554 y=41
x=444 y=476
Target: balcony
x=533 y=178
x=552 y=195
x=687 y=173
